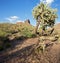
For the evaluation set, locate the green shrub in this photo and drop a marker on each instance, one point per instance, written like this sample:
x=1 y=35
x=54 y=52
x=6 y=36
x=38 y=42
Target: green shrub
x=27 y=33
x=33 y=35
x=2 y=33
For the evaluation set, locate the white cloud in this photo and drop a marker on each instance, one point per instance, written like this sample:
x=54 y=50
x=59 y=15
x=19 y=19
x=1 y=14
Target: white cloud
x=47 y=1
x=20 y=21
x=13 y=19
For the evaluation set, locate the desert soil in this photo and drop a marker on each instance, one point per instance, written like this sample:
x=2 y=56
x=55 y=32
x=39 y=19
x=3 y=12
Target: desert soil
x=22 y=52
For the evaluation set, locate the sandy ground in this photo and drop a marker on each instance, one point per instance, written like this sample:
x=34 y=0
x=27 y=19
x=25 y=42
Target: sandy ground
x=20 y=52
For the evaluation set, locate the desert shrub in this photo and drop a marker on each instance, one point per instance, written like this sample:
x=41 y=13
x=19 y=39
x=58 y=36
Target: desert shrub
x=2 y=33
x=9 y=29
x=27 y=33
x=34 y=35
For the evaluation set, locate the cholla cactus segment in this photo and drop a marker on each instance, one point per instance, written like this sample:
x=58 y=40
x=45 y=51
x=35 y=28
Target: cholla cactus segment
x=46 y=14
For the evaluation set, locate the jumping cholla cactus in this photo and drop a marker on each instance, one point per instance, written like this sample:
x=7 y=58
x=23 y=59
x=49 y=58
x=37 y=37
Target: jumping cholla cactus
x=44 y=15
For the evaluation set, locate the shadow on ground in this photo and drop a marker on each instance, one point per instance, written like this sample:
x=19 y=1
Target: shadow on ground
x=19 y=56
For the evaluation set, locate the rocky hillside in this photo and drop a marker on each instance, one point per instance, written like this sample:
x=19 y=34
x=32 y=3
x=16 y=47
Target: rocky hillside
x=10 y=32
x=25 y=22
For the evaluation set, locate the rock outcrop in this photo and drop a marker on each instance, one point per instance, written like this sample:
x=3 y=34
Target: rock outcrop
x=27 y=21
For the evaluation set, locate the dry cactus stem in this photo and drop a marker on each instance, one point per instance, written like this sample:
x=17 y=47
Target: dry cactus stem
x=40 y=45
x=53 y=38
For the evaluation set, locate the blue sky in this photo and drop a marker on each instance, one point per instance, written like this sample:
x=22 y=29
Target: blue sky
x=20 y=10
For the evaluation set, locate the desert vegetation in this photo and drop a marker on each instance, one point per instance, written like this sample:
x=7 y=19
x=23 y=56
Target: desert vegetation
x=24 y=43
x=45 y=17
x=10 y=31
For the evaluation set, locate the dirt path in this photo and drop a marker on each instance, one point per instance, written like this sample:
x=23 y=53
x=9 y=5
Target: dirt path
x=18 y=47
x=53 y=54
x=21 y=52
